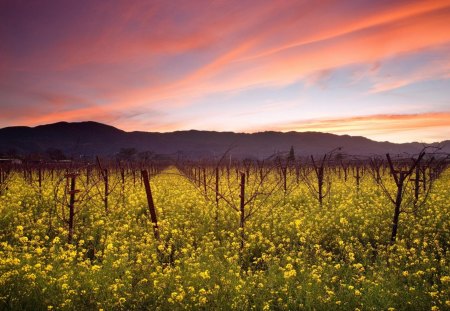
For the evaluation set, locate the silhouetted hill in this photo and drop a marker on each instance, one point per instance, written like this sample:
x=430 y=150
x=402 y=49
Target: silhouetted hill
x=92 y=138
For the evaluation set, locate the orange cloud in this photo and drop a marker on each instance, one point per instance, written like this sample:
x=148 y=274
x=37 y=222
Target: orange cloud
x=407 y=29
x=373 y=125
x=340 y=27
x=163 y=55
x=89 y=113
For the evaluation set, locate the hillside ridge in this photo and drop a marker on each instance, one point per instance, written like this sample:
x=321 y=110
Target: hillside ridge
x=91 y=138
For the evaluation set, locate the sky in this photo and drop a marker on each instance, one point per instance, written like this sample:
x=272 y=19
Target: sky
x=379 y=69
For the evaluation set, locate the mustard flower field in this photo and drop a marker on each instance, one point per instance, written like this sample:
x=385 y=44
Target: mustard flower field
x=282 y=251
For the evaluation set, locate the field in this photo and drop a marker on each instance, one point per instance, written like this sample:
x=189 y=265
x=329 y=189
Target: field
x=277 y=249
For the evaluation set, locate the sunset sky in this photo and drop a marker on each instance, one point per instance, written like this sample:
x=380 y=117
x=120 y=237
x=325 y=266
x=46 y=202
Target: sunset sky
x=379 y=69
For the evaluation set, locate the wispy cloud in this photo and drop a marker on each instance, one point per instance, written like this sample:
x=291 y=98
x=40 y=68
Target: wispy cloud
x=372 y=125
x=435 y=70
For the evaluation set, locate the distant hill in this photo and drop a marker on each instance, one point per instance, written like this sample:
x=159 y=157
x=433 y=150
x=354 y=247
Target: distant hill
x=92 y=138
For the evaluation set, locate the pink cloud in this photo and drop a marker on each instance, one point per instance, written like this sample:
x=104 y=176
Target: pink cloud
x=231 y=70
x=119 y=57
x=361 y=125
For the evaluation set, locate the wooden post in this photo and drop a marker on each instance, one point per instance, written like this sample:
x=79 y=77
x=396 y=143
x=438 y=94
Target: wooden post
x=88 y=175
x=424 y=178
x=417 y=184
x=105 y=178
x=217 y=195
x=242 y=210
x=151 y=205
x=217 y=186
x=358 y=178
x=104 y=173
x=71 y=205
x=204 y=181
x=40 y=177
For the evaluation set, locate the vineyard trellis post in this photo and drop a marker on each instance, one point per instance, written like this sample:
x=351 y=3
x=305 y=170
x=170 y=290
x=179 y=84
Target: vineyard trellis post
x=1 y=180
x=104 y=173
x=151 y=204
x=40 y=177
x=72 y=193
x=242 y=209
x=357 y=178
x=217 y=195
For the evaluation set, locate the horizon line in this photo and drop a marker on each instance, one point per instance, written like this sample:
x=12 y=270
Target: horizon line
x=240 y=132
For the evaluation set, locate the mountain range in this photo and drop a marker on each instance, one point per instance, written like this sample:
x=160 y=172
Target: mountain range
x=92 y=138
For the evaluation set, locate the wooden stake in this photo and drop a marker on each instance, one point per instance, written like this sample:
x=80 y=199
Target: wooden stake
x=151 y=205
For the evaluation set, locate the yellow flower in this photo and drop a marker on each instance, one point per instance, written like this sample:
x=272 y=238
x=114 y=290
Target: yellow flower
x=204 y=274
x=289 y=274
x=445 y=279
x=343 y=221
x=433 y=294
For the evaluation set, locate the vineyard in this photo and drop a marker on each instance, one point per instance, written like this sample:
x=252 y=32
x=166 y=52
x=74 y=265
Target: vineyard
x=287 y=233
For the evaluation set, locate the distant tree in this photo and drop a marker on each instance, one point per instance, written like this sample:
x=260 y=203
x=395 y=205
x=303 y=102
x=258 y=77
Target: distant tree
x=339 y=157
x=126 y=154
x=180 y=155
x=55 y=154
x=34 y=156
x=146 y=156
x=12 y=153
x=291 y=156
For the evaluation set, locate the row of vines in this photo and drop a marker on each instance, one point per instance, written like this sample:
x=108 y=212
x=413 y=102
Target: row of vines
x=326 y=232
